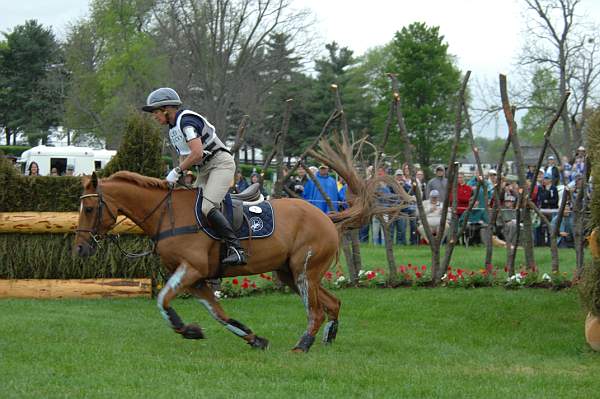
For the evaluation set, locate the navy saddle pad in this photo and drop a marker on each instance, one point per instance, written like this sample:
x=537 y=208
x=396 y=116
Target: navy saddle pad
x=259 y=220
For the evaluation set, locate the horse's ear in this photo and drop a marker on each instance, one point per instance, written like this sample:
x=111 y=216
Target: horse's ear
x=94 y=180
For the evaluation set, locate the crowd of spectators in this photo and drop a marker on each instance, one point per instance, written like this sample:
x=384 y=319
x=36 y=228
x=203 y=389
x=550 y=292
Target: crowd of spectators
x=551 y=182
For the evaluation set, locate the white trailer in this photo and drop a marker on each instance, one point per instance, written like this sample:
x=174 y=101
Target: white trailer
x=84 y=160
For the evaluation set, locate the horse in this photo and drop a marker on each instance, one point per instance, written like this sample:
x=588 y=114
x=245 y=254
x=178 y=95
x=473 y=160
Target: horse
x=304 y=243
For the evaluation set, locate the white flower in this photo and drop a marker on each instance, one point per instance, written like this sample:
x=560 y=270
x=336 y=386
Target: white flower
x=444 y=277
x=361 y=273
x=546 y=277
x=341 y=279
x=219 y=294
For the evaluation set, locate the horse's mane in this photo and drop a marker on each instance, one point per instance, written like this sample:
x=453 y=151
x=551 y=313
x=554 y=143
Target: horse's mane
x=139 y=180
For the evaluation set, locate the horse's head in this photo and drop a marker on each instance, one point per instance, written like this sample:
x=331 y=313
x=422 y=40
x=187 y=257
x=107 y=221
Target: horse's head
x=95 y=218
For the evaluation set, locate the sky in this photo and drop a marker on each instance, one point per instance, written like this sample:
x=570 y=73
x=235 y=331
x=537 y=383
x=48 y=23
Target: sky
x=485 y=36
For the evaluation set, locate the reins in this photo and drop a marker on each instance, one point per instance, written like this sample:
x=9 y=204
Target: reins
x=115 y=237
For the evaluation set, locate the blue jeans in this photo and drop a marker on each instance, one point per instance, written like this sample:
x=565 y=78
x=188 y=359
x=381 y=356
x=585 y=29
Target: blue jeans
x=400 y=230
x=363 y=233
x=377 y=231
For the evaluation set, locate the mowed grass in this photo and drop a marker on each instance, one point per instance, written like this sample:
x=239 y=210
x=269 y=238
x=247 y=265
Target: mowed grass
x=472 y=258
x=392 y=343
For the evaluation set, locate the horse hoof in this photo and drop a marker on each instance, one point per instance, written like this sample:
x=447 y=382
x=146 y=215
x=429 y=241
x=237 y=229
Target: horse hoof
x=304 y=344
x=330 y=332
x=259 y=343
x=192 y=331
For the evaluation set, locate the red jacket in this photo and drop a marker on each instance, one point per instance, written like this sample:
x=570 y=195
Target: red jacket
x=463 y=196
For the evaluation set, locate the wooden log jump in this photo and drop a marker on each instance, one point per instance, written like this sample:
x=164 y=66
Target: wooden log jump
x=53 y=222
x=92 y=288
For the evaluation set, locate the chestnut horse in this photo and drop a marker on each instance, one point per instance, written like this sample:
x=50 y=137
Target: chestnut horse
x=302 y=247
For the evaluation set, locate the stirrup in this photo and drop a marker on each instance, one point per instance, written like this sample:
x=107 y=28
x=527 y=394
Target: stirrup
x=235 y=257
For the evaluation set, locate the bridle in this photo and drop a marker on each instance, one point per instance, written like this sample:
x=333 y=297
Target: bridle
x=98 y=237
x=94 y=230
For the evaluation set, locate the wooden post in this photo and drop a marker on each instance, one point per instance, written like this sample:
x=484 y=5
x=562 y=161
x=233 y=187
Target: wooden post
x=512 y=128
x=278 y=190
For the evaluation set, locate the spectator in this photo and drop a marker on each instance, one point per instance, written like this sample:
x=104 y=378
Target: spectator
x=240 y=181
x=552 y=170
x=463 y=194
x=34 y=169
x=385 y=193
x=433 y=212
x=509 y=216
x=299 y=181
x=54 y=172
x=70 y=170
x=439 y=183
x=579 y=165
x=399 y=224
x=255 y=178
x=329 y=185
x=547 y=199
x=420 y=178
x=565 y=234
x=567 y=169
x=411 y=210
x=530 y=172
x=479 y=214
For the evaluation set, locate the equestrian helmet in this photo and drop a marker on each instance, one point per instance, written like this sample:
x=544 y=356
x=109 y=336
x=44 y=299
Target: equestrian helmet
x=160 y=98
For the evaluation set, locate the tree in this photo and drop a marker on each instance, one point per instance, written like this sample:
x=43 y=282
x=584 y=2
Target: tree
x=114 y=63
x=26 y=59
x=217 y=49
x=140 y=149
x=286 y=81
x=544 y=97
x=342 y=68
x=561 y=41
x=428 y=82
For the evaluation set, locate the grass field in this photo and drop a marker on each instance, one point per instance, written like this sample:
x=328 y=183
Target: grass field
x=488 y=342
x=467 y=258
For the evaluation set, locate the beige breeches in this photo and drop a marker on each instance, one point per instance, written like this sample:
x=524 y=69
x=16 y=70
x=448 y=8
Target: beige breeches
x=215 y=178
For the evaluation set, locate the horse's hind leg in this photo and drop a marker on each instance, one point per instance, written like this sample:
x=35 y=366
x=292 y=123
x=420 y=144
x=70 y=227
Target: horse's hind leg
x=330 y=303
x=332 y=307
x=183 y=277
x=207 y=298
x=307 y=281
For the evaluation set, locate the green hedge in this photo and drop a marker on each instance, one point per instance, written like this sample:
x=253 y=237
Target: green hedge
x=40 y=194
x=15 y=150
x=49 y=256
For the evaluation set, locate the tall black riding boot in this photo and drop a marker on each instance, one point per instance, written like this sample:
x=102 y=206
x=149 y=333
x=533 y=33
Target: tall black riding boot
x=235 y=252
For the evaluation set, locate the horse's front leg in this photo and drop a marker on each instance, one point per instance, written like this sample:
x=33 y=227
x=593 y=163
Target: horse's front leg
x=183 y=277
x=207 y=298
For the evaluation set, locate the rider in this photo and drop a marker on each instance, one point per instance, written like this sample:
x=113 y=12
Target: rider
x=197 y=143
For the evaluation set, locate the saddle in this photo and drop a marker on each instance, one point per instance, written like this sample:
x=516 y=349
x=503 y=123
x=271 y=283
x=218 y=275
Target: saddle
x=250 y=196
x=248 y=212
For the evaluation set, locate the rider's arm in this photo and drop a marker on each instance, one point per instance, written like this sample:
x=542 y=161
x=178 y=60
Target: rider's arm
x=195 y=155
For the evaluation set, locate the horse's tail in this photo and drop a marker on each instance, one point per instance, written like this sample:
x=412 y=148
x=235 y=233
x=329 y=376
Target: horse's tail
x=365 y=197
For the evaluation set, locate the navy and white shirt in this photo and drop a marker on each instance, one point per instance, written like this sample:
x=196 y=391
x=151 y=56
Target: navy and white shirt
x=190 y=125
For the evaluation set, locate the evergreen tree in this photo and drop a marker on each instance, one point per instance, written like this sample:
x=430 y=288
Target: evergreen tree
x=429 y=83
x=141 y=147
x=342 y=68
x=27 y=57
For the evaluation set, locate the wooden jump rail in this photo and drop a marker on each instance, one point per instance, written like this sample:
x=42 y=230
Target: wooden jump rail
x=89 y=288
x=61 y=223
x=52 y=222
